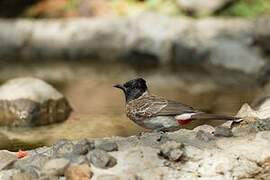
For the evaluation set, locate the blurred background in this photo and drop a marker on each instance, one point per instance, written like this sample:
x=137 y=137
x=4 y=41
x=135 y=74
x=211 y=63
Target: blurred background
x=213 y=55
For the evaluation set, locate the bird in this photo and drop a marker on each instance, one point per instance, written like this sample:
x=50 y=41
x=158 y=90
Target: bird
x=159 y=114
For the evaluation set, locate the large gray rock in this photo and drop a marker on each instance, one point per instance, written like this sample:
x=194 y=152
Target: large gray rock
x=233 y=55
x=144 y=39
x=218 y=43
x=6 y=159
x=31 y=102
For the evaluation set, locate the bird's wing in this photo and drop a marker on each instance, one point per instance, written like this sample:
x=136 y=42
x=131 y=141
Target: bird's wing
x=175 y=108
x=156 y=106
x=146 y=107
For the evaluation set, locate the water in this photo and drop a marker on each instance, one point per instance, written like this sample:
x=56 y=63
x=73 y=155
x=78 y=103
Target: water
x=99 y=108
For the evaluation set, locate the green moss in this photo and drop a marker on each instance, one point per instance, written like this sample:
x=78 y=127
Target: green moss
x=248 y=8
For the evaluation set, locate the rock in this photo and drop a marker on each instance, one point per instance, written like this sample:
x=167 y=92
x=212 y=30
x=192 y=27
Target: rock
x=49 y=177
x=210 y=44
x=32 y=164
x=111 y=177
x=63 y=148
x=202 y=7
x=78 y=172
x=265 y=171
x=246 y=111
x=223 y=131
x=145 y=39
x=261 y=33
x=101 y=159
x=22 y=176
x=77 y=159
x=204 y=136
x=205 y=128
x=182 y=156
x=108 y=146
x=150 y=38
x=234 y=55
x=56 y=167
x=6 y=159
x=187 y=53
x=175 y=155
x=83 y=147
x=261 y=103
x=31 y=102
x=7 y=174
x=171 y=150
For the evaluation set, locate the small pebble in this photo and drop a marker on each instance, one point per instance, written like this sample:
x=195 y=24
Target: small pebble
x=223 y=132
x=205 y=128
x=78 y=172
x=204 y=136
x=77 y=159
x=108 y=146
x=171 y=150
x=56 y=167
x=101 y=159
x=83 y=147
x=175 y=154
x=63 y=148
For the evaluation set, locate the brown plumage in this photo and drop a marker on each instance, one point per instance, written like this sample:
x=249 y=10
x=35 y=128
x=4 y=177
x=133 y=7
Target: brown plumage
x=158 y=113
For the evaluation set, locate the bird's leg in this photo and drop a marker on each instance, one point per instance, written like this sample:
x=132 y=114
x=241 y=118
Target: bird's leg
x=140 y=133
x=159 y=130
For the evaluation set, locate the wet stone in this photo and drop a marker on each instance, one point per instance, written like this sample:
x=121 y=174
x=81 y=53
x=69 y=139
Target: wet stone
x=6 y=159
x=108 y=146
x=83 y=147
x=223 y=131
x=101 y=159
x=171 y=150
x=56 y=167
x=204 y=136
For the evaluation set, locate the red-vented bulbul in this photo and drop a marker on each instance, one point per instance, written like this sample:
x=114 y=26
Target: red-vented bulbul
x=159 y=114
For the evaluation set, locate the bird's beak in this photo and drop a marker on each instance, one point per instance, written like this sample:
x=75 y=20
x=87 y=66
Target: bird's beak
x=120 y=86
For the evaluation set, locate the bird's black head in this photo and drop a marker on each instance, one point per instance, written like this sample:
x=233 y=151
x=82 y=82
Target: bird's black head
x=133 y=88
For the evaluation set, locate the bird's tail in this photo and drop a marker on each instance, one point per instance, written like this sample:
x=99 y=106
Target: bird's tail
x=206 y=116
